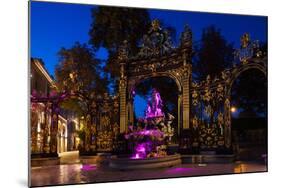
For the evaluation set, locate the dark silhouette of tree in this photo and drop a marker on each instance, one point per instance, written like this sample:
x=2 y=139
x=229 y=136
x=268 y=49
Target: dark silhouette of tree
x=212 y=55
x=111 y=26
x=249 y=94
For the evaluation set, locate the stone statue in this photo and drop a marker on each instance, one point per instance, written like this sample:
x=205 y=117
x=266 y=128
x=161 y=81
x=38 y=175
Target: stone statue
x=154 y=106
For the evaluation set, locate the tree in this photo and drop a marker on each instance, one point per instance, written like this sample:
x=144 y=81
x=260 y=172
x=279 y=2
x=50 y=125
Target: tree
x=249 y=94
x=212 y=55
x=78 y=65
x=111 y=26
x=78 y=74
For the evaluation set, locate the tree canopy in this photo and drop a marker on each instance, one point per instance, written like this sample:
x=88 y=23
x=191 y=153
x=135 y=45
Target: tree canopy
x=249 y=93
x=111 y=26
x=212 y=55
x=78 y=70
x=78 y=65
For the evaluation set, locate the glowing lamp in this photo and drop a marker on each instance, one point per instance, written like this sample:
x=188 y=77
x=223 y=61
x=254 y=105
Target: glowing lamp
x=233 y=109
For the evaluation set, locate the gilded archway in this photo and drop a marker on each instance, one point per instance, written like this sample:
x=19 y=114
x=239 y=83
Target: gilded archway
x=211 y=98
x=157 y=57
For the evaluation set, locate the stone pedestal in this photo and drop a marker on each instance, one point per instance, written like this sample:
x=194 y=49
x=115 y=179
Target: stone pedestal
x=147 y=163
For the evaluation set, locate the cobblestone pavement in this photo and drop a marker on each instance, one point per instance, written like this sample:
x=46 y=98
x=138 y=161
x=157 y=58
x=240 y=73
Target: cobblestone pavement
x=78 y=173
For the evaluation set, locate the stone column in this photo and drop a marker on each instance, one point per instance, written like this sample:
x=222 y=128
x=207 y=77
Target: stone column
x=46 y=147
x=185 y=104
x=122 y=93
x=54 y=131
x=186 y=44
x=186 y=96
x=179 y=113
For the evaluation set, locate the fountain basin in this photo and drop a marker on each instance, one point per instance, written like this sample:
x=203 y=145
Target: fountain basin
x=147 y=163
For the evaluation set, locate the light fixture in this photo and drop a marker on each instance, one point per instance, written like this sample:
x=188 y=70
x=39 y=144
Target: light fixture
x=233 y=109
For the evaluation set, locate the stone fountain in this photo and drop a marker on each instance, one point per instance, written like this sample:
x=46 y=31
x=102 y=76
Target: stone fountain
x=148 y=139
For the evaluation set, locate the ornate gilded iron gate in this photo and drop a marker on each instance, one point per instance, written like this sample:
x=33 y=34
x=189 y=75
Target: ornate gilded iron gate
x=210 y=114
x=211 y=99
x=157 y=57
x=107 y=119
x=204 y=107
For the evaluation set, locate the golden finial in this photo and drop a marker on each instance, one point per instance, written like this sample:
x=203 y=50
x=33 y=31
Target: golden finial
x=155 y=25
x=245 y=40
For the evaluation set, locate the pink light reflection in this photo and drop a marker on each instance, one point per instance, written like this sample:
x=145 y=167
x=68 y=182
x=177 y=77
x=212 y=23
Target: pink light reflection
x=88 y=167
x=136 y=156
x=178 y=170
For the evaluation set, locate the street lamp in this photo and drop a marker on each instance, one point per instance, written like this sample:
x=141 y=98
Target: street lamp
x=233 y=109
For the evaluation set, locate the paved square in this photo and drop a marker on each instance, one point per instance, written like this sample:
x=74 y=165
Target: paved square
x=78 y=173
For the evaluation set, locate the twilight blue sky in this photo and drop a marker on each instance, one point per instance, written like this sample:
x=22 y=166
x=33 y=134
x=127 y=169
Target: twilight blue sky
x=56 y=25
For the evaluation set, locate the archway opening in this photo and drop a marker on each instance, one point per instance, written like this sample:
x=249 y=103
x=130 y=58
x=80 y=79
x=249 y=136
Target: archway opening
x=249 y=115
x=168 y=90
x=73 y=139
x=72 y=109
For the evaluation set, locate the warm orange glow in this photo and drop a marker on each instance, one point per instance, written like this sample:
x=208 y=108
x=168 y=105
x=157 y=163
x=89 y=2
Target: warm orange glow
x=233 y=109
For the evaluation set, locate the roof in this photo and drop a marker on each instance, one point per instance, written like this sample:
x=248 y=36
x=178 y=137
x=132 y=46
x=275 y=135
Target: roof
x=40 y=65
